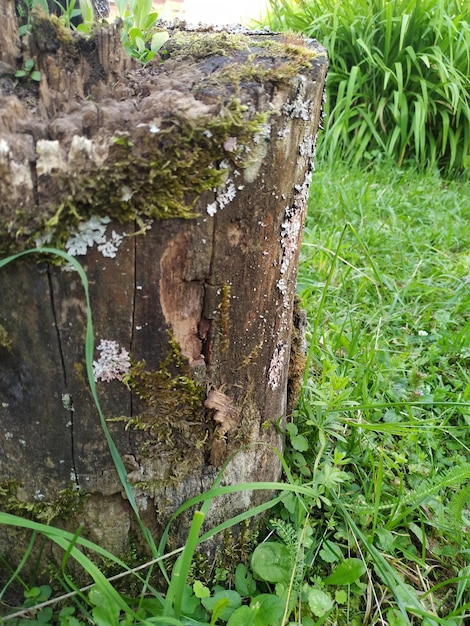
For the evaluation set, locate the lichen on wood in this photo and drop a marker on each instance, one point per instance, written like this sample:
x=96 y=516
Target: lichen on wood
x=182 y=187
x=132 y=161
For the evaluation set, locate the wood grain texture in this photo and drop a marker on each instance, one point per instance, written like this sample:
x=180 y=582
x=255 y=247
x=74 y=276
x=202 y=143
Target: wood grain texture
x=200 y=290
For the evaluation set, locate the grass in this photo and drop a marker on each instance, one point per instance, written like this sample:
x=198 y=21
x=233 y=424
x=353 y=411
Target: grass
x=386 y=253
x=398 y=80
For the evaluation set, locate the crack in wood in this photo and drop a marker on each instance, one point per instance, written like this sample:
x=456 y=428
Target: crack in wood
x=67 y=399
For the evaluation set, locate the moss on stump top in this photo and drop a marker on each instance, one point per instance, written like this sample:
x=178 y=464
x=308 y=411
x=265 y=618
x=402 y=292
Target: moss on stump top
x=102 y=137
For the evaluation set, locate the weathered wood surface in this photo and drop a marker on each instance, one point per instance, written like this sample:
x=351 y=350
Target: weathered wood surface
x=206 y=219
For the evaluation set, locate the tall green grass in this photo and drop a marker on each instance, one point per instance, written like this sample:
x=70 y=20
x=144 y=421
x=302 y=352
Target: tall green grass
x=385 y=278
x=398 y=81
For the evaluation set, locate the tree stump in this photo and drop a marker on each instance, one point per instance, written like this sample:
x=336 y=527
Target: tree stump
x=182 y=188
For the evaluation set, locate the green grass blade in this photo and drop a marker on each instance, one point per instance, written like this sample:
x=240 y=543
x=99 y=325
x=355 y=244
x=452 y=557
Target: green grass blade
x=181 y=569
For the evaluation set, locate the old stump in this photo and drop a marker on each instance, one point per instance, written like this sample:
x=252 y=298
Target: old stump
x=182 y=189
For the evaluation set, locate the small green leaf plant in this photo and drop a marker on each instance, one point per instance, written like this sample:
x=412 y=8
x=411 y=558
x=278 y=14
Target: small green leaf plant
x=76 y=15
x=140 y=36
x=69 y=13
x=34 y=596
x=28 y=71
x=24 y=11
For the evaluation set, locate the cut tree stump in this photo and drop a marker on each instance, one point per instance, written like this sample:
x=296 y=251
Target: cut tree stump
x=181 y=188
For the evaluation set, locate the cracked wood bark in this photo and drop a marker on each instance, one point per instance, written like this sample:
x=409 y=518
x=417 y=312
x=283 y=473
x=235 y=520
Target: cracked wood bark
x=203 y=294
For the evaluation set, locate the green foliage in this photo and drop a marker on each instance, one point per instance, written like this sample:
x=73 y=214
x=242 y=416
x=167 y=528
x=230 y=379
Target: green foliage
x=28 y=71
x=140 y=35
x=24 y=11
x=37 y=596
x=68 y=15
x=385 y=406
x=271 y=562
x=398 y=79
x=71 y=11
x=67 y=502
x=174 y=401
x=165 y=176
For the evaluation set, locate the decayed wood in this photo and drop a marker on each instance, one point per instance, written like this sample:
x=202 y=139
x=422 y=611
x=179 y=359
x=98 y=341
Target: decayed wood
x=200 y=202
x=9 y=49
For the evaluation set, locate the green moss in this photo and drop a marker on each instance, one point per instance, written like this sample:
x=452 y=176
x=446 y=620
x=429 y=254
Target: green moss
x=288 y=46
x=224 y=310
x=250 y=415
x=68 y=501
x=161 y=179
x=298 y=357
x=160 y=175
x=196 y=46
x=173 y=417
x=5 y=339
x=49 y=33
x=255 y=58
x=270 y=61
x=254 y=71
x=236 y=547
x=280 y=53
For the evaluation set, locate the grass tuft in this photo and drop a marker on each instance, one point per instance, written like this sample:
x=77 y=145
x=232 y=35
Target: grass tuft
x=398 y=81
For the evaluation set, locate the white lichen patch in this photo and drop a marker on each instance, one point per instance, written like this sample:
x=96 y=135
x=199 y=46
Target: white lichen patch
x=212 y=209
x=277 y=365
x=90 y=233
x=67 y=402
x=224 y=194
x=126 y=193
x=231 y=144
x=283 y=132
x=227 y=196
x=292 y=226
x=43 y=240
x=110 y=247
x=49 y=157
x=21 y=175
x=298 y=108
x=282 y=286
x=255 y=156
x=263 y=134
x=290 y=235
x=113 y=363
x=307 y=146
x=4 y=148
